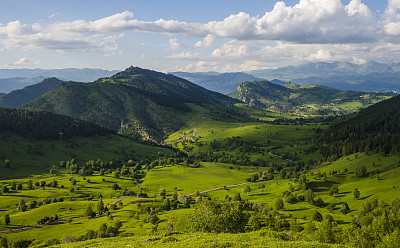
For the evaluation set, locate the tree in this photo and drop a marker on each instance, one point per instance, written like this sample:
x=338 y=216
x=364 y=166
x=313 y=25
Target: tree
x=291 y=188
x=22 y=206
x=89 y=211
x=356 y=194
x=254 y=223
x=13 y=186
x=361 y=171
x=7 y=219
x=167 y=205
x=29 y=184
x=316 y=216
x=218 y=215
x=4 y=189
x=246 y=189
x=295 y=225
x=309 y=196
x=237 y=197
x=100 y=206
x=163 y=192
x=4 y=242
x=279 y=204
x=345 y=208
x=334 y=191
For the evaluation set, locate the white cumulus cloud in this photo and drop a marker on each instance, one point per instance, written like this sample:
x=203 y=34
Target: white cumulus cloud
x=206 y=42
x=174 y=44
x=21 y=62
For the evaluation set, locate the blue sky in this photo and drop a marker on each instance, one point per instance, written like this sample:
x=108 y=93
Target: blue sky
x=205 y=35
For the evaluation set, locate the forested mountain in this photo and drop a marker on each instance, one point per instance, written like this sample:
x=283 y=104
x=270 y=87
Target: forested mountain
x=224 y=83
x=370 y=76
x=304 y=99
x=45 y=125
x=375 y=129
x=135 y=101
x=18 y=97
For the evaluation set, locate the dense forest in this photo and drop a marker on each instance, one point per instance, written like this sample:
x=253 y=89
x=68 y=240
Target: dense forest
x=45 y=125
x=374 y=129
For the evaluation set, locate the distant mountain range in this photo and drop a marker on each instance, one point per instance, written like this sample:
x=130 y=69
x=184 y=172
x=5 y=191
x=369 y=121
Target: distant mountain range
x=9 y=84
x=13 y=79
x=305 y=99
x=134 y=102
x=18 y=97
x=370 y=77
x=224 y=83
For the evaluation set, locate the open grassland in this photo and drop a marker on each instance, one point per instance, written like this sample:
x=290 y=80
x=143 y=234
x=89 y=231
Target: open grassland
x=381 y=181
x=188 y=180
x=30 y=157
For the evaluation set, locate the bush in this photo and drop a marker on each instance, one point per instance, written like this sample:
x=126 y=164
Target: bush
x=218 y=216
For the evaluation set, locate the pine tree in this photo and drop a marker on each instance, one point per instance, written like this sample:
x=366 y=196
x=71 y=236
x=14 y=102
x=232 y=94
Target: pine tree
x=279 y=204
x=100 y=206
x=7 y=219
x=356 y=193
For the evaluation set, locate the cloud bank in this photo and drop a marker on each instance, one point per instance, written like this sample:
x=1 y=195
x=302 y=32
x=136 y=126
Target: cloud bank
x=329 y=25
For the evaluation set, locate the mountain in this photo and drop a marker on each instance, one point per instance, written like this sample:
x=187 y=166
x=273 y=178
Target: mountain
x=304 y=99
x=18 y=97
x=224 y=83
x=370 y=76
x=134 y=102
x=9 y=84
x=13 y=79
x=374 y=129
x=374 y=82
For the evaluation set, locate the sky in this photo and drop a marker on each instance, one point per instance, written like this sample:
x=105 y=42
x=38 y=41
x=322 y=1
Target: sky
x=194 y=35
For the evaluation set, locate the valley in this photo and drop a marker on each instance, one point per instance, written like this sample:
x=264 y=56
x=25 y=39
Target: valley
x=266 y=177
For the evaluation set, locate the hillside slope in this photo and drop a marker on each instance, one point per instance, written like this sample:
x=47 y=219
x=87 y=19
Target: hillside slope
x=45 y=125
x=18 y=97
x=374 y=129
x=304 y=99
x=133 y=102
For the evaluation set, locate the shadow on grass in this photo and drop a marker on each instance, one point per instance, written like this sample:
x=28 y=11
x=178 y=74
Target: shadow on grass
x=365 y=197
x=260 y=194
x=318 y=186
x=25 y=196
x=295 y=210
x=340 y=222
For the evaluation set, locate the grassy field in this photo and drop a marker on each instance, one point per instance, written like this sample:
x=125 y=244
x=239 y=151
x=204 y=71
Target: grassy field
x=29 y=157
x=32 y=161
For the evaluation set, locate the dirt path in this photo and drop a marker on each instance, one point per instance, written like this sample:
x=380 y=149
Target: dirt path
x=121 y=199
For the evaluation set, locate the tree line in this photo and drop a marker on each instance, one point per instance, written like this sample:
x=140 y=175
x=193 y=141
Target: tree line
x=44 y=125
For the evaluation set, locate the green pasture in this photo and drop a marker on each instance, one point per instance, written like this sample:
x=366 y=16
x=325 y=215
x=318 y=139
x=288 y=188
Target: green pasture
x=30 y=157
